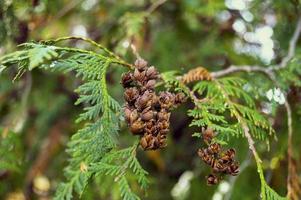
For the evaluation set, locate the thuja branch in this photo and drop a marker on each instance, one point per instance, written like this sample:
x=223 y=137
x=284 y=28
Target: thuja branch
x=243 y=123
x=270 y=73
x=266 y=191
x=155 y=5
x=126 y=164
x=83 y=39
x=92 y=148
x=140 y=95
x=244 y=68
x=289 y=149
x=212 y=92
x=110 y=53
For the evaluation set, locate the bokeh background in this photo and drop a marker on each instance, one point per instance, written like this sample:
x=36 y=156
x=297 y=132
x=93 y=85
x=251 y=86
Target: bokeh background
x=171 y=35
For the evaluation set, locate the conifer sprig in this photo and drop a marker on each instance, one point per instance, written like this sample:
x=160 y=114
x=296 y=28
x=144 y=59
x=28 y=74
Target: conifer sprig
x=224 y=106
x=219 y=98
x=93 y=149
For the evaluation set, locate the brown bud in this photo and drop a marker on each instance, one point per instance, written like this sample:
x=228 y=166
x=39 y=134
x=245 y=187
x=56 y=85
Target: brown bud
x=126 y=79
x=219 y=166
x=144 y=142
x=155 y=103
x=180 y=98
x=166 y=100
x=161 y=140
x=127 y=113
x=131 y=94
x=163 y=115
x=137 y=127
x=214 y=148
x=163 y=125
x=151 y=73
x=133 y=116
x=225 y=159
x=230 y=152
x=150 y=123
x=208 y=158
x=150 y=85
x=151 y=130
x=140 y=64
x=233 y=169
x=212 y=179
x=149 y=142
x=228 y=156
x=155 y=144
x=148 y=115
x=144 y=100
x=139 y=76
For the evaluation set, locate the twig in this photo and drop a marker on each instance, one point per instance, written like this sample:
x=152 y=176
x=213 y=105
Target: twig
x=289 y=147
x=135 y=52
x=155 y=5
x=244 y=68
x=244 y=126
x=292 y=47
x=291 y=169
x=266 y=70
x=256 y=156
x=293 y=183
x=86 y=40
x=115 y=58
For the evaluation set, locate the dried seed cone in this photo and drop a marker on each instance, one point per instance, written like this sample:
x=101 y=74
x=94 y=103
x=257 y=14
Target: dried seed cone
x=221 y=161
x=212 y=179
x=147 y=113
x=197 y=74
x=127 y=80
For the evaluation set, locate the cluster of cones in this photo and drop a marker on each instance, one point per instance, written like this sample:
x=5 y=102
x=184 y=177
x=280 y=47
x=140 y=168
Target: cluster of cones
x=221 y=161
x=147 y=113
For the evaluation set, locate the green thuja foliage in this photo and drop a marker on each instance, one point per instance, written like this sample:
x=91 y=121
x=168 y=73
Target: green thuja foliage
x=93 y=149
x=228 y=109
x=226 y=97
x=222 y=104
x=267 y=193
x=270 y=194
